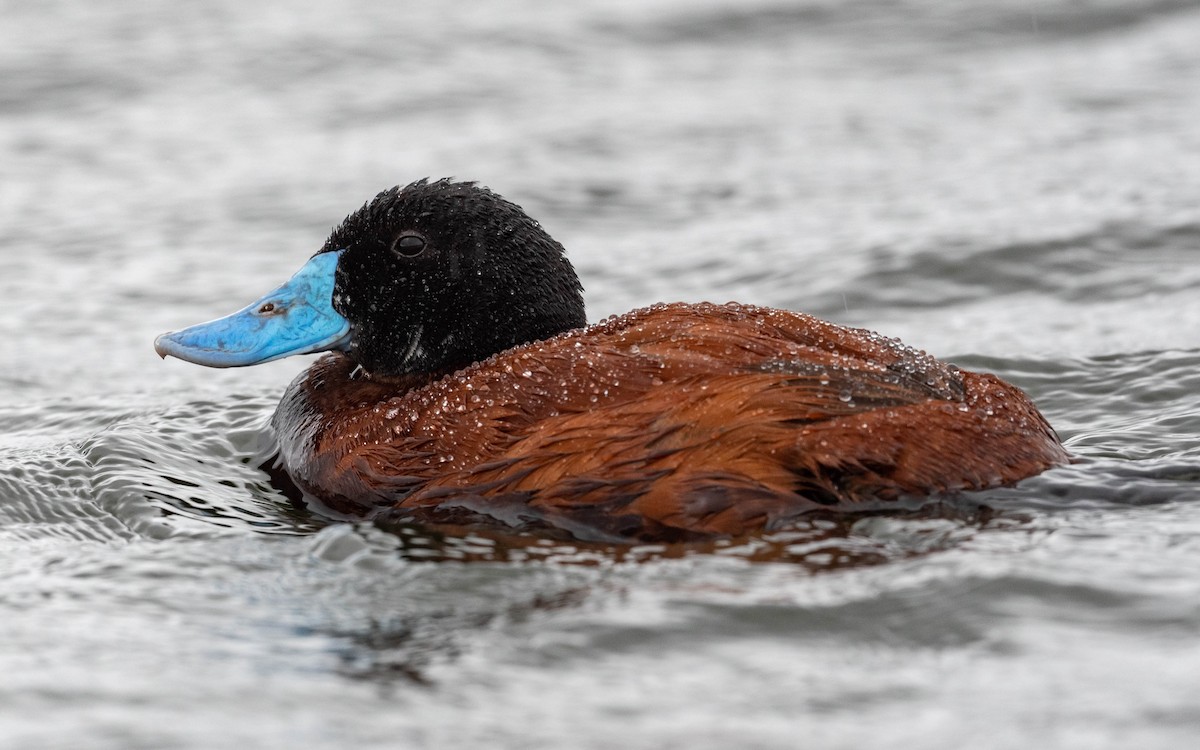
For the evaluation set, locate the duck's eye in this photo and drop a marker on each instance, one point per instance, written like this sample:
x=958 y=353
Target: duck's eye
x=409 y=245
x=268 y=307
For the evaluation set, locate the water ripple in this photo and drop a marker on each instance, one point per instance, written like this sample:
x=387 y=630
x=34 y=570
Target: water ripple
x=1109 y=263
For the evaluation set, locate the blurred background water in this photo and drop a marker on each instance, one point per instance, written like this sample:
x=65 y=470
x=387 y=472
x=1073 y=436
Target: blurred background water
x=1011 y=185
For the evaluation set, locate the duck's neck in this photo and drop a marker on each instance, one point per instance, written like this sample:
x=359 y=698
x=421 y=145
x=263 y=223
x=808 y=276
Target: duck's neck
x=336 y=384
x=332 y=398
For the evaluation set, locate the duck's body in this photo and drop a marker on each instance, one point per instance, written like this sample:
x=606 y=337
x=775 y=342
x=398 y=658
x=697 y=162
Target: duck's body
x=671 y=422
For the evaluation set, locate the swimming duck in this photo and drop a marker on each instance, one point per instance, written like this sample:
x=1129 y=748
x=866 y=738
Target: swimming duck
x=464 y=386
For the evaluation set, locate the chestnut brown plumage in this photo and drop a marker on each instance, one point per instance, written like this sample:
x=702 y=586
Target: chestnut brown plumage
x=668 y=423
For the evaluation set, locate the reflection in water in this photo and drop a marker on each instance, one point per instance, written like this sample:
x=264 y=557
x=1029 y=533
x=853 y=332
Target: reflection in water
x=819 y=541
x=385 y=652
x=487 y=578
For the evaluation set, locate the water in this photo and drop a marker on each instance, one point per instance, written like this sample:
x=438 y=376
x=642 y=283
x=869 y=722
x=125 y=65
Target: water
x=1013 y=186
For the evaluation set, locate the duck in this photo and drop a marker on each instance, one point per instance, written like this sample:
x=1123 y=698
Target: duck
x=461 y=384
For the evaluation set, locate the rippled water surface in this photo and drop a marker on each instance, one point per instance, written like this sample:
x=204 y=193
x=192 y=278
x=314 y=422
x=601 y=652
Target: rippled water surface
x=1013 y=186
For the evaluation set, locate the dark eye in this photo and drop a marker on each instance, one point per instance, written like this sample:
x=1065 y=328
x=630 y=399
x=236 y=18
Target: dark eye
x=409 y=245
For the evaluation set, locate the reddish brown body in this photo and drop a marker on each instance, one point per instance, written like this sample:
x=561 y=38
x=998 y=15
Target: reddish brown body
x=671 y=422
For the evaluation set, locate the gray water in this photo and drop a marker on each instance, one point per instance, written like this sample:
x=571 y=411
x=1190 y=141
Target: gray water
x=1010 y=185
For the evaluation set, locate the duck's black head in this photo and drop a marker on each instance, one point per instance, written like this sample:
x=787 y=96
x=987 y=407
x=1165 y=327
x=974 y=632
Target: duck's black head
x=437 y=275
x=423 y=279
